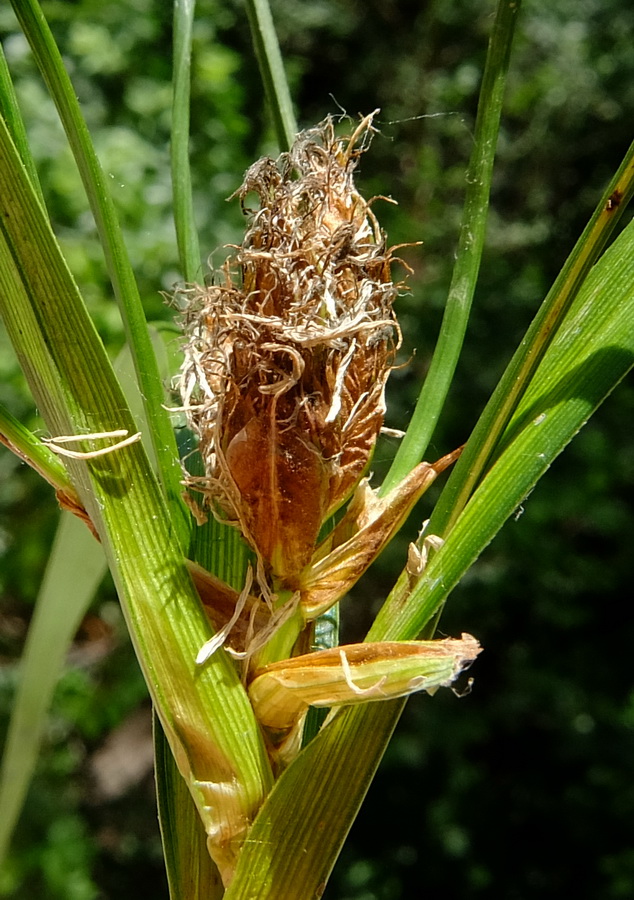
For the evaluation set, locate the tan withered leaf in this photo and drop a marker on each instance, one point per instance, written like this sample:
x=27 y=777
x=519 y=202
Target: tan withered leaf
x=220 y=602
x=369 y=524
x=356 y=673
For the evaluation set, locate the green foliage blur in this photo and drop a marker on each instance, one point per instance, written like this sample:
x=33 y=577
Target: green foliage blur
x=525 y=786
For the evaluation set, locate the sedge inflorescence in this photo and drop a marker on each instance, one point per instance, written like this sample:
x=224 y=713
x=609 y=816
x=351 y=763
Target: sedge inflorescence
x=283 y=382
x=287 y=357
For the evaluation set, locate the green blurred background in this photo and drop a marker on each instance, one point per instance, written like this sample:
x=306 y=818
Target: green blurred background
x=523 y=789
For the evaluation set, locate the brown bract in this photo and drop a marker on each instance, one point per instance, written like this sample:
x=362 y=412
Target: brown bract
x=286 y=360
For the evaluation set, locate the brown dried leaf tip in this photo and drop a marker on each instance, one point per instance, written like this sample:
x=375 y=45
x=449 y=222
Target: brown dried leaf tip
x=286 y=360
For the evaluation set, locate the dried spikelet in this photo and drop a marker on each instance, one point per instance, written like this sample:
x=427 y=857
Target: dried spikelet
x=286 y=360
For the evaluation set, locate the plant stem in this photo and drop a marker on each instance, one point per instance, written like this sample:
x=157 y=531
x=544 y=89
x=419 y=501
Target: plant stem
x=186 y=234
x=49 y=61
x=484 y=442
x=267 y=50
x=470 y=246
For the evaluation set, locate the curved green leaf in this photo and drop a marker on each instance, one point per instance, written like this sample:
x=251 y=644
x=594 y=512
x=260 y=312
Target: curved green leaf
x=471 y=243
x=51 y=65
x=267 y=50
x=592 y=352
x=204 y=710
x=73 y=572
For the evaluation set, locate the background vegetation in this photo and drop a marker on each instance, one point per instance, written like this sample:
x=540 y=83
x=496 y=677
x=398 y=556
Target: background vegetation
x=529 y=780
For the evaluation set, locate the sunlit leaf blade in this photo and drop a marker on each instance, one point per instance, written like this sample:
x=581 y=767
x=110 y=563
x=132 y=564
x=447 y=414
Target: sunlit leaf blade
x=186 y=235
x=191 y=874
x=50 y=63
x=204 y=711
x=74 y=569
x=272 y=72
x=471 y=243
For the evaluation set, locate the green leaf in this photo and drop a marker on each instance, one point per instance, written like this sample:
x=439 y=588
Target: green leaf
x=267 y=50
x=73 y=572
x=204 y=710
x=592 y=351
x=49 y=61
x=186 y=234
x=471 y=243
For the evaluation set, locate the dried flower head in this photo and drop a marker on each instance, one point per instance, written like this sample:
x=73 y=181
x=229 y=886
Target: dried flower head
x=286 y=360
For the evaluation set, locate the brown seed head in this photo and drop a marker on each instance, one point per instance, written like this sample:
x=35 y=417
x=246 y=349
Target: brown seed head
x=287 y=359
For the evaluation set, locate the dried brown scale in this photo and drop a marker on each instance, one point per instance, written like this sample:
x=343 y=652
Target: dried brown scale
x=287 y=359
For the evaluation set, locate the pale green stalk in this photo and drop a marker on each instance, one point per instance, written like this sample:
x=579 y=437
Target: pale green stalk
x=471 y=243
x=186 y=234
x=63 y=599
x=49 y=61
x=267 y=50
x=205 y=711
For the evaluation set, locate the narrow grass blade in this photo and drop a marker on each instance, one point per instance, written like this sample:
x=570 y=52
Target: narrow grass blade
x=10 y=111
x=471 y=243
x=191 y=874
x=509 y=391
x=592 y=352
x=74 y=569
x=186 y=234
x=31 y=450
x=50 y=63
x=267 y=50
